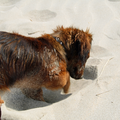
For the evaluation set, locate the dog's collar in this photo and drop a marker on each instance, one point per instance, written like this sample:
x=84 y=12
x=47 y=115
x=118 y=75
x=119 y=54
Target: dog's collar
x=58 y=40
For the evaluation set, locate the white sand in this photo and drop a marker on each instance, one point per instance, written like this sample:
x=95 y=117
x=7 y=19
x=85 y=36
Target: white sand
x=97 y=95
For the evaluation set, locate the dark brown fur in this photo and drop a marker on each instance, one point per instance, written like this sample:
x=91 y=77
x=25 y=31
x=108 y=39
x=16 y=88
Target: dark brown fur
x=32 y=63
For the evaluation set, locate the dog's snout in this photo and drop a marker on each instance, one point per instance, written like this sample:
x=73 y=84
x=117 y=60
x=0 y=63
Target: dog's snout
x=77 y=72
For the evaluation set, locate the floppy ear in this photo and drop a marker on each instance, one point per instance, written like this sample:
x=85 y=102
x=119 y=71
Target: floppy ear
x=84 y=52
x=84 y=45
x=89 y=36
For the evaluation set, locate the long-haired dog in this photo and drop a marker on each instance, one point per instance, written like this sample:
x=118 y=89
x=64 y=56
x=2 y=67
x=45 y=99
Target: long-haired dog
x=46 y=61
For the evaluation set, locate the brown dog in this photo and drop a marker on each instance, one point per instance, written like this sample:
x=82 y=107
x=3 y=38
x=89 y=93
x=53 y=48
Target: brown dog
x=46 y=61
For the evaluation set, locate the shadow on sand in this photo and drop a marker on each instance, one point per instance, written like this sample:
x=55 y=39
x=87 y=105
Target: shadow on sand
x=16 y=100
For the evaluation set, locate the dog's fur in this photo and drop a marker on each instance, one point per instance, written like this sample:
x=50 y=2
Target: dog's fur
x=32 y=63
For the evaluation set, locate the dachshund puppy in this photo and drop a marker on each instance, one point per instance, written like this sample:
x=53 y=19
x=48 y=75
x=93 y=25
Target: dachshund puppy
x=46 y=61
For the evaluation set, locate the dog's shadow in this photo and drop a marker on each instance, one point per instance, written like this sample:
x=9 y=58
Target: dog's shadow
x=90 y=73
x=16 y=100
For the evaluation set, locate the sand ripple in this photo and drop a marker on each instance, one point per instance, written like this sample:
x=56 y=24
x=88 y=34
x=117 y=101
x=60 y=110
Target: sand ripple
x=41 y=15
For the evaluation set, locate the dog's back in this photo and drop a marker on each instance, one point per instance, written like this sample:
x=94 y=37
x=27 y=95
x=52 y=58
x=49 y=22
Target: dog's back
x=18 y=56
x=30 y=62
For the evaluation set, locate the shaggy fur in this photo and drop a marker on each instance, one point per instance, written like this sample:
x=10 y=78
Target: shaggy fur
x=31 y=63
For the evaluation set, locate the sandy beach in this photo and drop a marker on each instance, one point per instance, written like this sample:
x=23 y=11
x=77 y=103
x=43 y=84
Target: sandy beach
x=94 y=97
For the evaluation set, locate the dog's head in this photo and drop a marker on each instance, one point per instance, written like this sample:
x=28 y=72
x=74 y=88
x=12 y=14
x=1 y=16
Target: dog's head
x=77 y=44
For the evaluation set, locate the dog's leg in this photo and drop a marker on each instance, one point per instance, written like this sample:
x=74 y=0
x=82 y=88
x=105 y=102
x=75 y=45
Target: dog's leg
x=1 y=101
x=66 y=87
x=36 y=94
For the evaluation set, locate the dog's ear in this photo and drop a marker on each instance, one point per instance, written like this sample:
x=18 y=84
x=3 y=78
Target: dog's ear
x=84 y=51
x=84 y=44
x=89 y=36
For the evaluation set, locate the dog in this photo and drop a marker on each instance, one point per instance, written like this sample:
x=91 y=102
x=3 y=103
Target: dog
x=46 y=61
